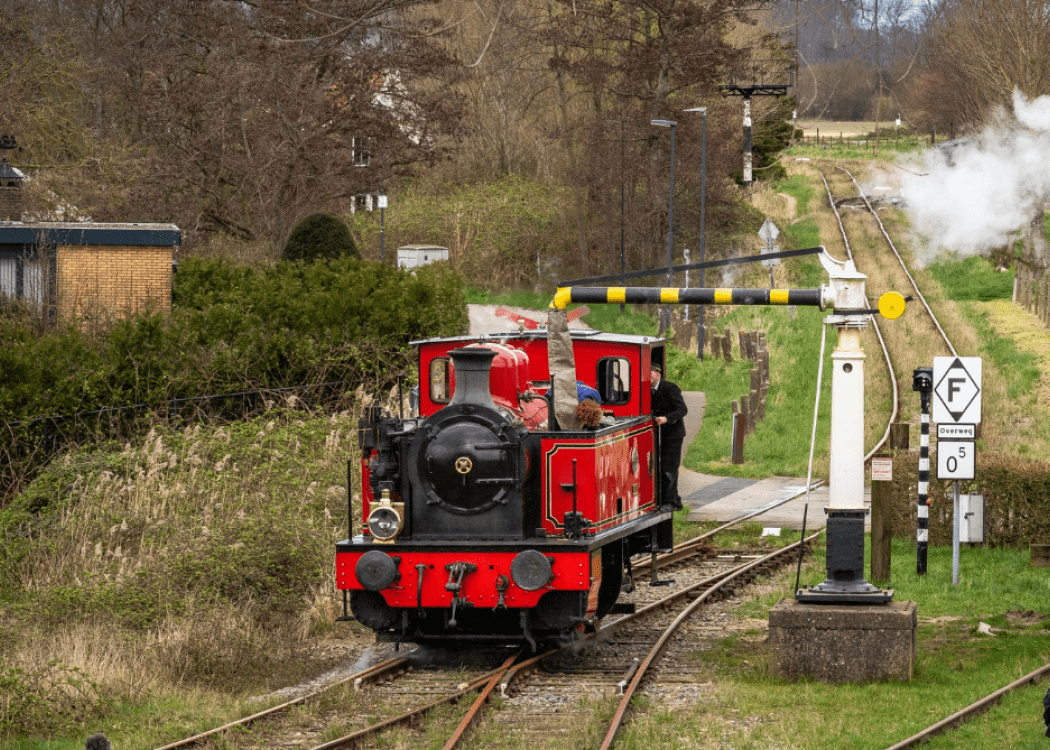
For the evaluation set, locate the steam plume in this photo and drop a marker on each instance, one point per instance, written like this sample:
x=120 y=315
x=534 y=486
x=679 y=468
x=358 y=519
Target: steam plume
x=976 y=197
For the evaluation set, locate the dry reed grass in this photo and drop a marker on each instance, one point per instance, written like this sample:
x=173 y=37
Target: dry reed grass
x=136 y=576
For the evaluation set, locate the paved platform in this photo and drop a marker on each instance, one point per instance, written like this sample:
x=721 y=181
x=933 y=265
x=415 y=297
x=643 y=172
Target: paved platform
x=724 y=499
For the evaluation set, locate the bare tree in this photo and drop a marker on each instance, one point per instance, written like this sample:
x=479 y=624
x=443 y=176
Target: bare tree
x=979 y=52
x=247 y=116
x=632 y=62
x=854 y=54
x=41 y=100
x=509 y=89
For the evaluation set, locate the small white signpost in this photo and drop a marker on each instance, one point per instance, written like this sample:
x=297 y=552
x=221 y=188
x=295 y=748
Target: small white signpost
x=955 y=459
x=881 y=469
x=957 y=412
x=768 y=234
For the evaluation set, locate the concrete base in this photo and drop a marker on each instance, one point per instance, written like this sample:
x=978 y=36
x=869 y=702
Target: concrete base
x=1040 y=555
x=843 y=643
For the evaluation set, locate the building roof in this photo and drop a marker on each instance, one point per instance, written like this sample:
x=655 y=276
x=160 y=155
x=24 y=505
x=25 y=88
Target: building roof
x=9 y=175
x=89 y=233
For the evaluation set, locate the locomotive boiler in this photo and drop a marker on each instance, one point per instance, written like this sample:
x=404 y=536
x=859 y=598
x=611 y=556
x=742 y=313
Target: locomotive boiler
x=493 y=513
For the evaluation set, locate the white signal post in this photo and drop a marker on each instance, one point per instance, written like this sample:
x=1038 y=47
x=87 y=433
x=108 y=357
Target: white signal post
x=846 y=511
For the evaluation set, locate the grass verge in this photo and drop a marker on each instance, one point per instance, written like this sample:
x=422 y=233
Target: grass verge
x=749 y=708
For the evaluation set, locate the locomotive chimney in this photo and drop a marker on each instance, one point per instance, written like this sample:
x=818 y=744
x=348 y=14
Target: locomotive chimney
x=473 y=366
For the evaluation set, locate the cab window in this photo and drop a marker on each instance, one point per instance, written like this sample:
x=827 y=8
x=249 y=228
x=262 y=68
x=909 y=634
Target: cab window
x=614 y=380
x=438 y=377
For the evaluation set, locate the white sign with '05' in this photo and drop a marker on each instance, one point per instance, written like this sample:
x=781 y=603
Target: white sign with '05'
x=955 y=459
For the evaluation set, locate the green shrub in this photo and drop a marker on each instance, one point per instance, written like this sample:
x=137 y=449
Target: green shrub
x=772 y=135
x=234 y=328
x=48 y=702
x=320 y=235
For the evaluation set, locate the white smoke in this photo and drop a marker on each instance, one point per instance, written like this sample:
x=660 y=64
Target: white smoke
x=978 y=196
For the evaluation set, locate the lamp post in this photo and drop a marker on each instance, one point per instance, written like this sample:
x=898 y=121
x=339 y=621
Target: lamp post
x=623 y=261
x=703 y=236
x=381 y=200
x=670 y=216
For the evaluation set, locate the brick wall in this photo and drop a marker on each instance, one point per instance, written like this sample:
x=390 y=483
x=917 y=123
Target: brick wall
x=98 y=283
x=10 y=203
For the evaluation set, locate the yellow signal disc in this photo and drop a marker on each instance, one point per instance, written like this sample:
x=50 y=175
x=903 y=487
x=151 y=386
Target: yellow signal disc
x=891 y=305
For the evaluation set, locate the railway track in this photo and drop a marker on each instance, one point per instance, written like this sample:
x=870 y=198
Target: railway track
x=974 y=709
x=887 y=270
x=402 y=697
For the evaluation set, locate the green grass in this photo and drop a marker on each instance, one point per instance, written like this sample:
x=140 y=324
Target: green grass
x=956 y=665
x=800 y=188
x=1019 y=369
x=780 y=442
x=973 y=278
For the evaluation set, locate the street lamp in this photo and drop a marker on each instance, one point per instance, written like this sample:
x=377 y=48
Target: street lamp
x=703 y=236
x=670 y=212
x=623 y=262
x=381 y=200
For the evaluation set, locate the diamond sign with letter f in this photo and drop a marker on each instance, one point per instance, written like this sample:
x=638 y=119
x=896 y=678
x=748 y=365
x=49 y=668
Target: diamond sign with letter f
x=957 y=390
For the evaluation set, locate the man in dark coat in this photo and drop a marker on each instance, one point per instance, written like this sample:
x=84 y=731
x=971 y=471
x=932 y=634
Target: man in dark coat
x=1046 y=711
x=669 y=409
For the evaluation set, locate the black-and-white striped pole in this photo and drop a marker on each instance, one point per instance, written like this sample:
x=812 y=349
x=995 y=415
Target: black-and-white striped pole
x=748 y=178
x=922 y=381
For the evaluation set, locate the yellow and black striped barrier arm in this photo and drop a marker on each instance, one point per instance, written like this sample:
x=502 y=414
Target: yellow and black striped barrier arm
x=639 y=295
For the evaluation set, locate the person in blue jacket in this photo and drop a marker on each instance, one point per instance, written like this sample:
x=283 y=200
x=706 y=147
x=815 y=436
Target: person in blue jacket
x=584 y=392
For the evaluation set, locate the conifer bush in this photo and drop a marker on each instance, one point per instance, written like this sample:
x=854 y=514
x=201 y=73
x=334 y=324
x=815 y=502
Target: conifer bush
x=320 y=235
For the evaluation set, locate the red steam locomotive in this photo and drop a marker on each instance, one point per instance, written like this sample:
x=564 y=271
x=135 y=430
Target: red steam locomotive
x=492 y=515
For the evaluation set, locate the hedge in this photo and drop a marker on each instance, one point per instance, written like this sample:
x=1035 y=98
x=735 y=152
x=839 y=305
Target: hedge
x=231 y=328
x=1016 y=499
